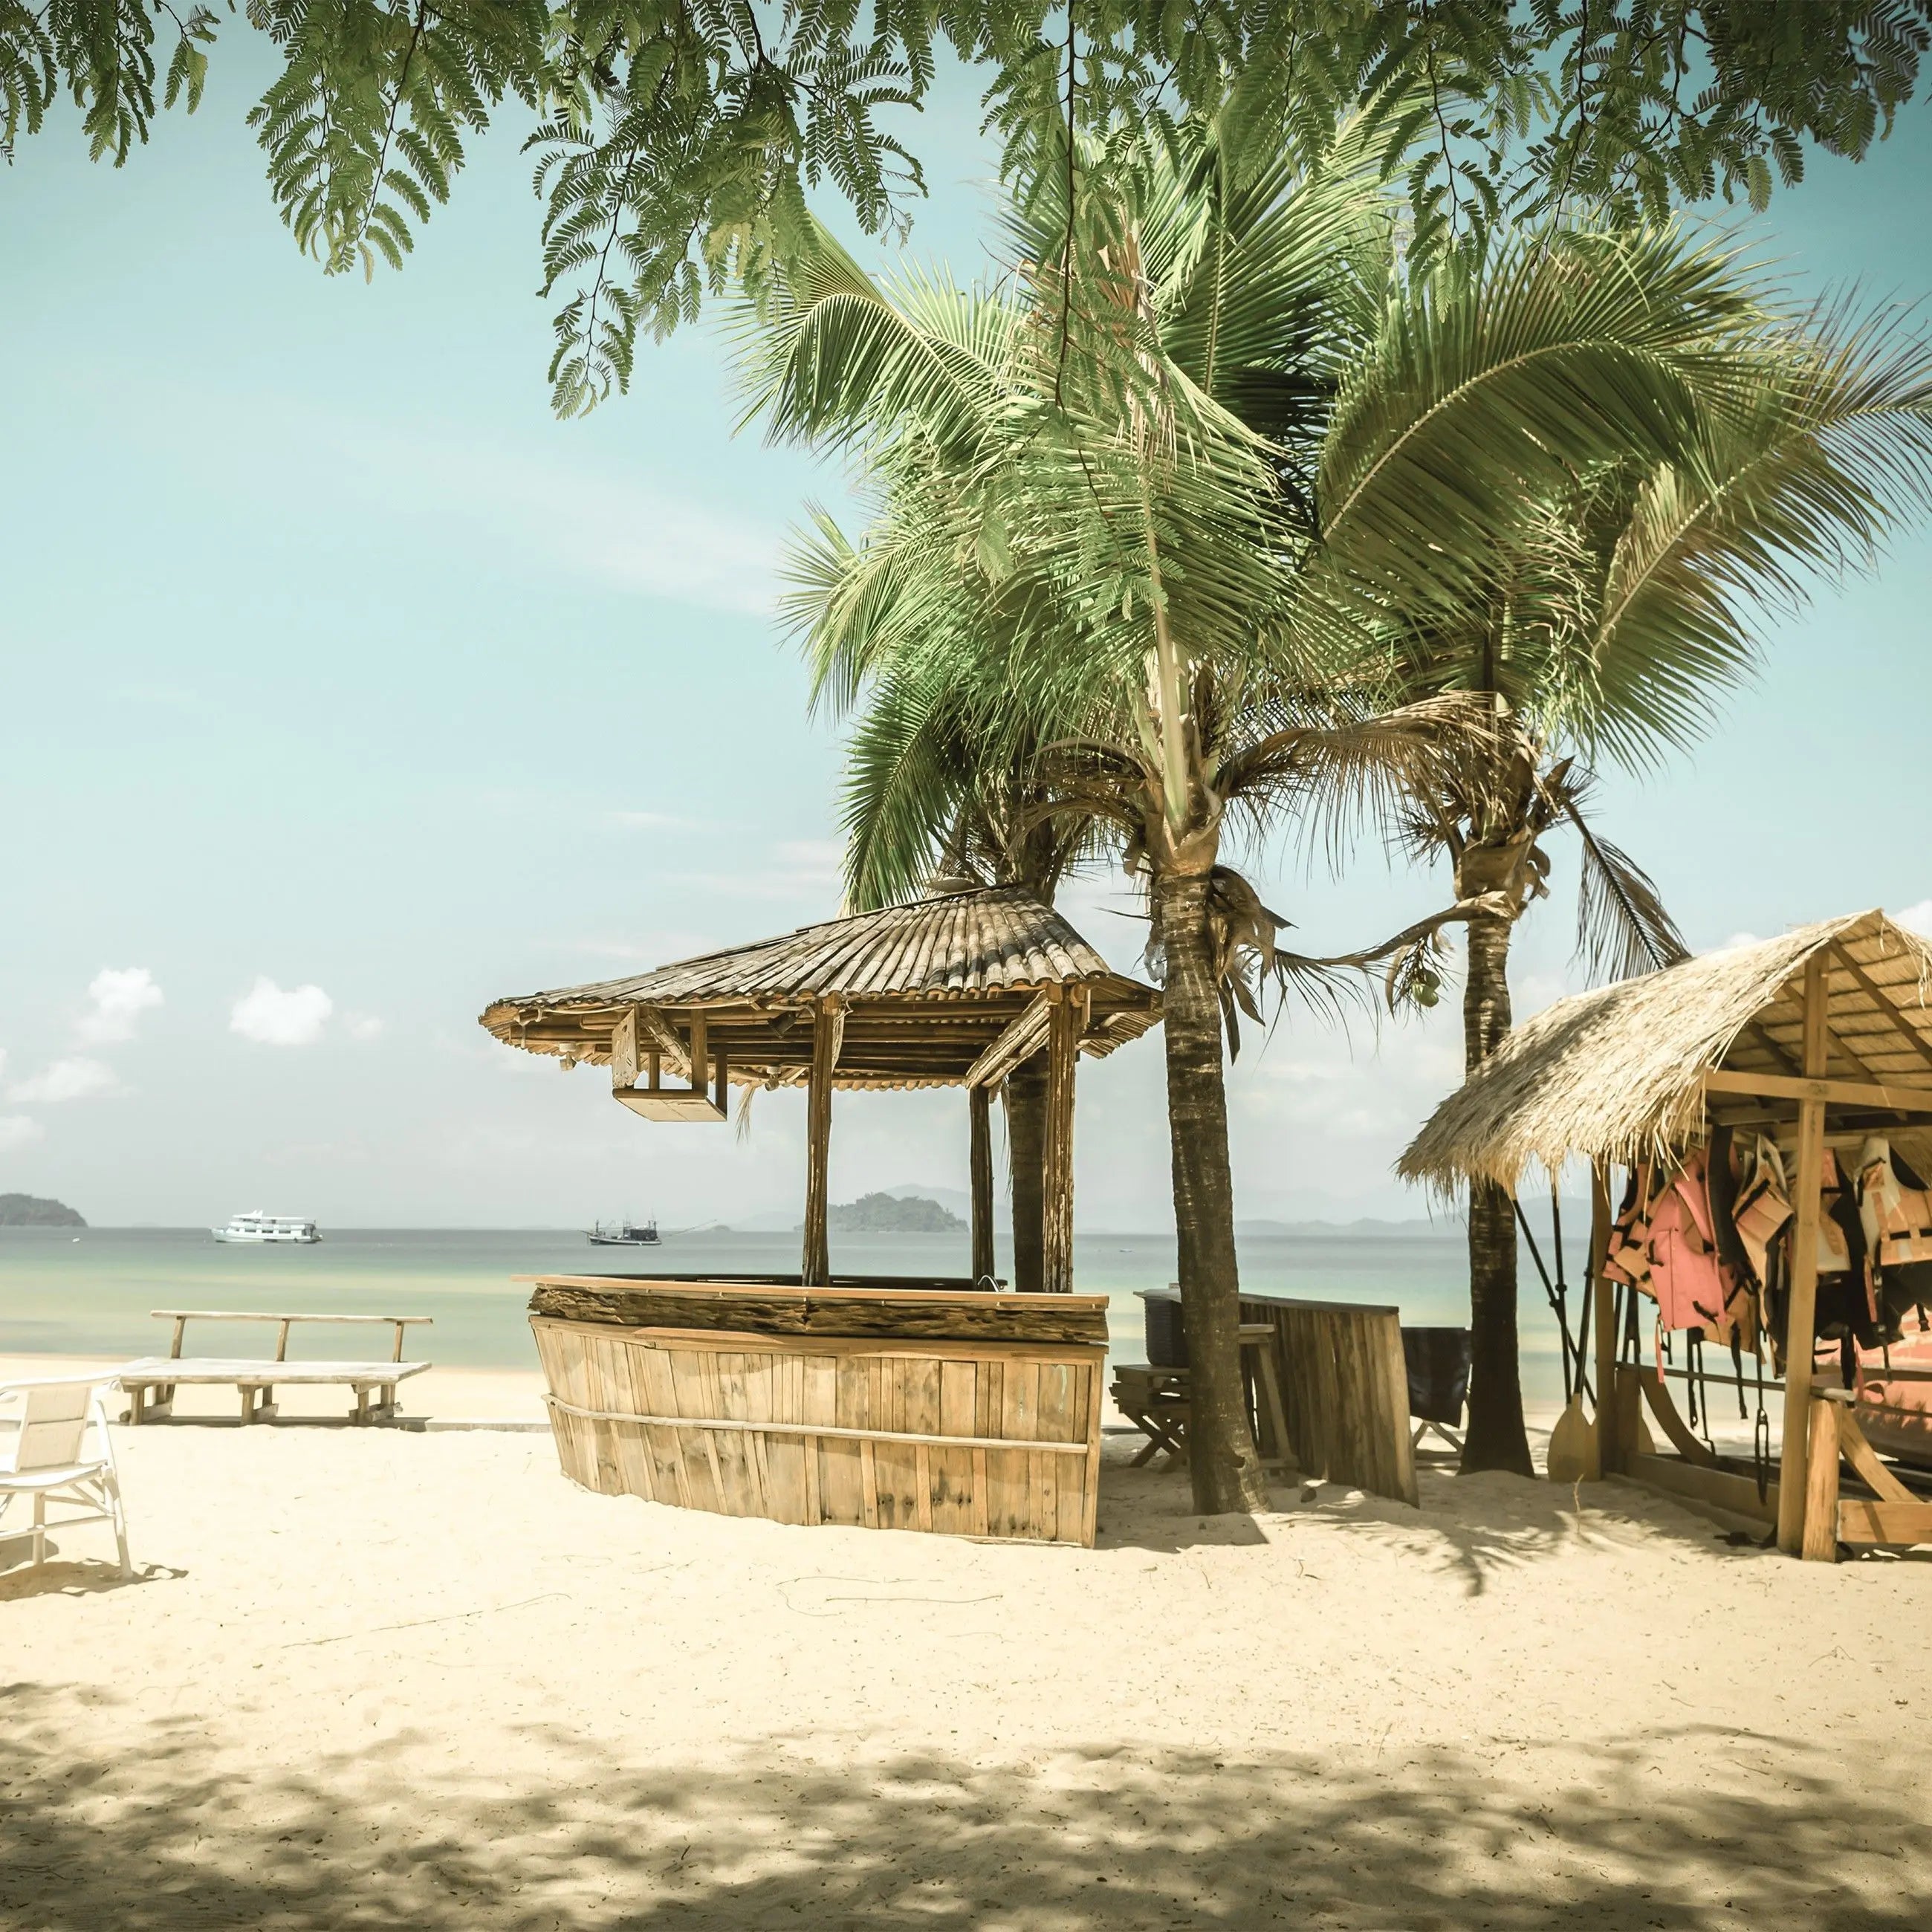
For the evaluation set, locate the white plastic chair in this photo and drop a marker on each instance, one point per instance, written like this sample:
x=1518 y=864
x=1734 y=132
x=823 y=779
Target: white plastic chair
x=48 y=1460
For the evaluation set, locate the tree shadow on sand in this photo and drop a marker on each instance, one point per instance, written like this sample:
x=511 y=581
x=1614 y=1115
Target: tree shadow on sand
x=157 y=1835
x=1475 y=1526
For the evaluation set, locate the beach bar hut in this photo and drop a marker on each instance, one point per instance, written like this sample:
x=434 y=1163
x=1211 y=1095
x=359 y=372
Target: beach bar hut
x=1820 y=1040
x=929 y=1404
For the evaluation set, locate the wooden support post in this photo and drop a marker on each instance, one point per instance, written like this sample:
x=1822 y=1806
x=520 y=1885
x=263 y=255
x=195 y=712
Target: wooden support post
x=979 y=1110
x=1063 y=1030
x=828 y=1034
x=282 y=1345
x=1605 y=1452
x=624 y=1052
x=720 y=1088
x=1821 y=1484
x=700 y=1057
x=1801 y=1318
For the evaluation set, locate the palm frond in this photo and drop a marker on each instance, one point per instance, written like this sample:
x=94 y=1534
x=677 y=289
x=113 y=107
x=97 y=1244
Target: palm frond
x=1622 y=927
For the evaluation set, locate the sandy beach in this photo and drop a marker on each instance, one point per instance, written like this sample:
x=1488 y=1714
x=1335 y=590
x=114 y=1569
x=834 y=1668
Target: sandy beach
x=373 y=1677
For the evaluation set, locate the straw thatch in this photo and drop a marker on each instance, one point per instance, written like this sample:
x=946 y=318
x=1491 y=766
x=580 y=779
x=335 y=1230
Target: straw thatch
x=925 y=987
x=1617 y=1075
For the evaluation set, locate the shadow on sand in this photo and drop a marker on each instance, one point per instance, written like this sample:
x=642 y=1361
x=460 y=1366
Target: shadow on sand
x=156 y=1836
x=1476 y=1527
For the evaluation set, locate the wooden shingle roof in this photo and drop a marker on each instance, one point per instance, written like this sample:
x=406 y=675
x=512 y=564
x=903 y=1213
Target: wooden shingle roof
x=926 y=987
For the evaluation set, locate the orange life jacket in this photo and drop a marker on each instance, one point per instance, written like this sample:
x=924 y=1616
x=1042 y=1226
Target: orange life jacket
x=1763 y=1208
x=1664 y=1243
x=1626 y=1258
x=1898 y=1219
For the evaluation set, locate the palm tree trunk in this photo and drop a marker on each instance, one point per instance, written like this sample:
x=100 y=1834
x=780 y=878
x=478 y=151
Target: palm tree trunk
x=1496 y=1438
x=1026 y=1164
x=1226 y=1470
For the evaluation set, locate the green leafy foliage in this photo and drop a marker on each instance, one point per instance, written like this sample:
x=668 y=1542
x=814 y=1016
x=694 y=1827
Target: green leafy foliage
x=103 y=54
x=677 y=141
x=1624 y=595
x=364 y=127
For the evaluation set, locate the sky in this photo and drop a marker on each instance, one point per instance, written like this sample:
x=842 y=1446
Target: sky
x=343 y=690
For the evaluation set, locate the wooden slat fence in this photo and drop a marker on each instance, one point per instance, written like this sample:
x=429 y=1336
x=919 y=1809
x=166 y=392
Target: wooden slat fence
x=974 y=1438
x=1344 y=1386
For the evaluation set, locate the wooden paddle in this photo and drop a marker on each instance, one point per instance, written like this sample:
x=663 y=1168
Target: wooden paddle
x=1572 y=1438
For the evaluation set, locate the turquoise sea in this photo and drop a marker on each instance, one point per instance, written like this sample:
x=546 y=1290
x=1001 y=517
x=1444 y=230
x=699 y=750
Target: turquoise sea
x=92 y=1294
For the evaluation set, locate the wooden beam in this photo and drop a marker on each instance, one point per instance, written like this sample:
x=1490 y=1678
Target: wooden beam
x=1604 y=1453
x=654 y=1100
x=654 y=1024
x=1673 y=1424
x=828 y=1032
x=1019 y=1040
x=1802 y=1304
x=979 y=1109
x=1835 y=1040
x=1855 y=1447
x=624 y=1051
x=700 y=1051
x=1760 y=1032
x=1721 y=1489
x=1811 y=1086
x=1862 y=1521
x=1821 y=1486
x=1873 y=991
x=1064 y=1028
x=670 y=1103
x=720 y=1064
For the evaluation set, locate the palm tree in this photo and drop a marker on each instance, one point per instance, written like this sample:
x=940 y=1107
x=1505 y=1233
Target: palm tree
x=1624 y=603
x=1151 y=502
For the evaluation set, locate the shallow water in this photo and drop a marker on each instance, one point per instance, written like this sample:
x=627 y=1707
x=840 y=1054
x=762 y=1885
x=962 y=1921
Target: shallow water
x=93 y=1295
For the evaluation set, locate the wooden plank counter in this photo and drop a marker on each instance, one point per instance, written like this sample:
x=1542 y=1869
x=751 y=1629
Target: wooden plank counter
x=895 y=1407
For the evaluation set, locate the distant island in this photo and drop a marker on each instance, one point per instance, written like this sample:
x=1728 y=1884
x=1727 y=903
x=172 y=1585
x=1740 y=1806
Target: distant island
x=892 y=1214
x=30 y=1210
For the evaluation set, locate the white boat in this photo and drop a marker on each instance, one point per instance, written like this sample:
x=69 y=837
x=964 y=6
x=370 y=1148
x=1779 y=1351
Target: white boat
x=284 y=1230
x=627 y=1234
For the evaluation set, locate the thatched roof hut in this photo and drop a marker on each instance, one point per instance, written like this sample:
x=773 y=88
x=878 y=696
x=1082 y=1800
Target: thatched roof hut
x=1630 y=1071
x=925 y=989
x=957 y=989
x=1817 y=1039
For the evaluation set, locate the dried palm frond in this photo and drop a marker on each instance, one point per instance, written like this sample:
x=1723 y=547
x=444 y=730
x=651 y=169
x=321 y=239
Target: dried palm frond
x=1617 y=1075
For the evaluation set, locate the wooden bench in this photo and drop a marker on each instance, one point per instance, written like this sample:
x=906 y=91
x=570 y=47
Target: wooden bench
x=151 y=1381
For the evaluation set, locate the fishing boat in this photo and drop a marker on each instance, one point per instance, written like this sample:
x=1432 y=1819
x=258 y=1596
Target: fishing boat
x=624 y=1234
x=258 y=1229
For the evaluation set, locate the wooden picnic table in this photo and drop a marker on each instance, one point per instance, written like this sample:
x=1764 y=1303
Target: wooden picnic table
x=151 y=1382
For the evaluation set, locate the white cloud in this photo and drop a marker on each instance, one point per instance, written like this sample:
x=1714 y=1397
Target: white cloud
x=77 y=1078
x=362 y=1026
x=1916 y=918
x=271 y=1017
x=17 y=1130
x=118 y=996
